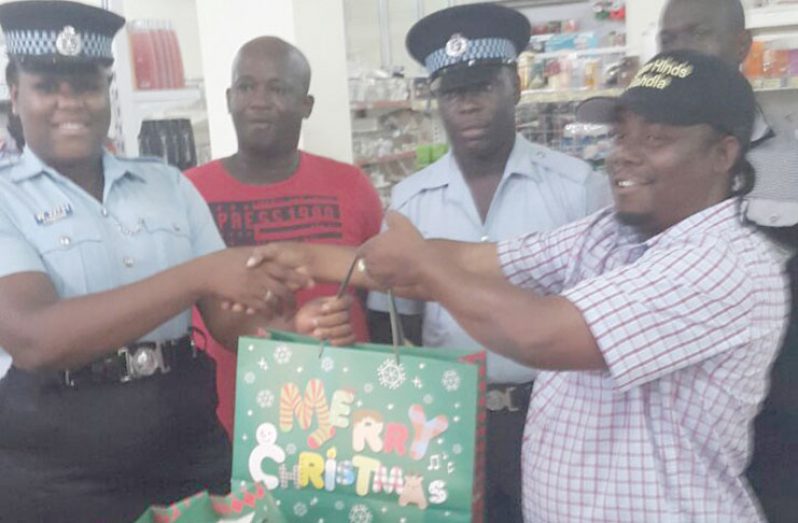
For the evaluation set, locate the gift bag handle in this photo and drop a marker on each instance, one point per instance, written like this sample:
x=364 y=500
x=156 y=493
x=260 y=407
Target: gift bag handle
x=397 y=332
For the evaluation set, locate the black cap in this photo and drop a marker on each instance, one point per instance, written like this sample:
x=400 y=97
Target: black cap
x=683 y=88
x=467 y=44
x=58 y=32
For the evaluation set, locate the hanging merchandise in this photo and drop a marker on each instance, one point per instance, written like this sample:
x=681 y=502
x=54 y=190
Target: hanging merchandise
x=172 y=140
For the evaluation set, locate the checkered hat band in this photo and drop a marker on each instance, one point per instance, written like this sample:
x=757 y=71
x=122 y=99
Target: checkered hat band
x=42 y=43
x=477 y=49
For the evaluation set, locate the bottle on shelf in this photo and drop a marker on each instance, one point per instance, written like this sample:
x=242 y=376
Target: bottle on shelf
x=158 y=63
x=145 y=60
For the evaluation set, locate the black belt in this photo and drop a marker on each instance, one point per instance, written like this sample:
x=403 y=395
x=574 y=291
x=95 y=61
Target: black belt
x=135 y=361
x=510 y=397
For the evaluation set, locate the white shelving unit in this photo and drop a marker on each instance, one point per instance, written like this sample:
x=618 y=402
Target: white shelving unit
x=133 y=106
x=597 y=51
x=773 y=18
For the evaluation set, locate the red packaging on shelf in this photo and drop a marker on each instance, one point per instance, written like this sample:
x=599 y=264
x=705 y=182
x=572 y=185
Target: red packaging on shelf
x=175 y=58
x=144 y=56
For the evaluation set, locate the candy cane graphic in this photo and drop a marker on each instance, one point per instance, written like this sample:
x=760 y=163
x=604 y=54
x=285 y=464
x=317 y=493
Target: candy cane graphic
x=314 y=401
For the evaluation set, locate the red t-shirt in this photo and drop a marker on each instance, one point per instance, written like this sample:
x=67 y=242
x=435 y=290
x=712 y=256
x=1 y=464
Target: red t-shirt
x=324 y=201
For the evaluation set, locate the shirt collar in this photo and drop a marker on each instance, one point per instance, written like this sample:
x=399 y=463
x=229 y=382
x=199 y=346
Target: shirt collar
x=520 y=162
x=30 y=166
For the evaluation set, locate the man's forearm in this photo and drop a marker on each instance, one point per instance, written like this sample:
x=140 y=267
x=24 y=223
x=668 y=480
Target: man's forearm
x=537 y=331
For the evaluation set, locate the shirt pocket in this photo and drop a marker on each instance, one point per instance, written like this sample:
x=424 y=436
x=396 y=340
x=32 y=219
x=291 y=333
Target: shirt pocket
x=169 y=235
x=73 y=254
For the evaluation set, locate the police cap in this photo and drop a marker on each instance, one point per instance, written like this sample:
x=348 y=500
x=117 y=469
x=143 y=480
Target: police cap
x=467 y=44
x=51 y=33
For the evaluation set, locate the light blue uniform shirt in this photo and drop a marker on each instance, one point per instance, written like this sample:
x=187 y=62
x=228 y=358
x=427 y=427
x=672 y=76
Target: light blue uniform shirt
x=540 y=190
x=151 y=218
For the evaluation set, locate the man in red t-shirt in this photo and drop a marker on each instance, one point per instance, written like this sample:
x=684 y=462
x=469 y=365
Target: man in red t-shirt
x=270 y=191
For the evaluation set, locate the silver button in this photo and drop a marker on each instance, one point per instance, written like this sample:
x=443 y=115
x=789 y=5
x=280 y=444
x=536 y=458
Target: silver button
x=485 y=239
x=128 y=261
x=176 y=227
x=104 y=212
x=65 y=241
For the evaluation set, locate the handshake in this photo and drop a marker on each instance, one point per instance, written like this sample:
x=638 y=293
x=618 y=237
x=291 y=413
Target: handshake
x=264 y=280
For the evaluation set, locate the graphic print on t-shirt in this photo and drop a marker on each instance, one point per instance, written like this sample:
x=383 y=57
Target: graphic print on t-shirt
x=298 y=218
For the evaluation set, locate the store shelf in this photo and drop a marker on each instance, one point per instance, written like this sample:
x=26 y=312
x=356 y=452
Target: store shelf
x=548 y=96
x=775 y=84
x=165 y=100
x=598 y=51
x=388 y=158
x=775 y=17
x=381 y=105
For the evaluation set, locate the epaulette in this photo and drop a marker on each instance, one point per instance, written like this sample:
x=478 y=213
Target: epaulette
x=8 y=161
x=569 y=167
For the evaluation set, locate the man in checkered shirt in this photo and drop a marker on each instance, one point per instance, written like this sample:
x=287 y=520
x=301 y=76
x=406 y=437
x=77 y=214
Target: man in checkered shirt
x=657 y=320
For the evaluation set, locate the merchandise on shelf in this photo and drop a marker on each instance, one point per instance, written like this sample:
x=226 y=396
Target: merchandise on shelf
x=571 y=61
x=544 y=122
x=773 y=63
x=172 y=140
x=378 y=87
x=590 y=142
x=157 y=61
x=391 y=125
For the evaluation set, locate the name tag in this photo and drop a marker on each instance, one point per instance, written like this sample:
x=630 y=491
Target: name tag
x=53 y=215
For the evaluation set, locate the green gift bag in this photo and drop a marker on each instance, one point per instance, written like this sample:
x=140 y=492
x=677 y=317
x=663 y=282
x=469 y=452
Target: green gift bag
x=361 y=434
x=247 y=503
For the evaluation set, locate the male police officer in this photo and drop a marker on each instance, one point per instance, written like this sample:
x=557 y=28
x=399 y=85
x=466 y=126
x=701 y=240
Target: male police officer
x=492 y=185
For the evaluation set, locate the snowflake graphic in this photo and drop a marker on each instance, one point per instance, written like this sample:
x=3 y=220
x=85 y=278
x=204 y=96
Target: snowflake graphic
x=263 y=364
x=265 y=399
x=360 y=514
x=451 y=380
x=418 y=383
x=290 y=449
x=427 y=399
x=368 y=388
x=300 y=509
x=282 y=354
x=457 y=448
x=339 y=505
x=327 y=364
x=249 y=378
x=314 y=501
x=391 y=374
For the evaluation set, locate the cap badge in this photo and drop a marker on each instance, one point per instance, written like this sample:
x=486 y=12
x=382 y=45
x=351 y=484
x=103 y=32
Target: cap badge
x=68 y=42
x=456 y=46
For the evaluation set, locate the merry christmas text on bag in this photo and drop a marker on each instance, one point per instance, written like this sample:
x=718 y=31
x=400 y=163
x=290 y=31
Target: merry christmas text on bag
x=361 y=434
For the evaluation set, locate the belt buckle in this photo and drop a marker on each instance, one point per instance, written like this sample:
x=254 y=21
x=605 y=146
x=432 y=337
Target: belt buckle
x=499 y=399
x=143 y=361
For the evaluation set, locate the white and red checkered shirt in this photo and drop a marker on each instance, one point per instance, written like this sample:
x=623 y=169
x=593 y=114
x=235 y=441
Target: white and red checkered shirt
x=688 y=322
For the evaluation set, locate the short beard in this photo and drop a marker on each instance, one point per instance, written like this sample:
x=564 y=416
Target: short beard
x=631 y=219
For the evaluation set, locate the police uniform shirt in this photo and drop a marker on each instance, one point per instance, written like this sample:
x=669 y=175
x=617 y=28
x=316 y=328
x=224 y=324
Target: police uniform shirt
x=540 y=190
x=151 y=218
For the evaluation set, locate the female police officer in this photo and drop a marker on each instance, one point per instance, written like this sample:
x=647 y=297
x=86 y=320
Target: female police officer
x=83 y=237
